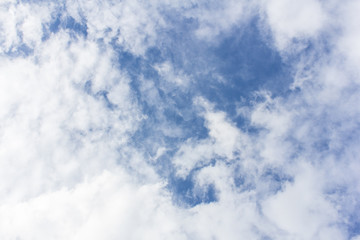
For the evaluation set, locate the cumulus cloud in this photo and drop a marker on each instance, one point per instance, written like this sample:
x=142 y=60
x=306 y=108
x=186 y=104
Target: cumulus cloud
x=132 y=24
x=48 y=119
x=295 y=21
x=99 y=140
x=21 y=25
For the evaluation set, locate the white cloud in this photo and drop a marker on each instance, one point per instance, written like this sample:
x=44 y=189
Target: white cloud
x=53 y=133
x=223 y=142
x=348 y=41
x=301 y=209
x=217 y=18
x=67 y=170
x=167 y=71
x=22 y=24
x=105 y=206
x=291 y=20
x=133 y=24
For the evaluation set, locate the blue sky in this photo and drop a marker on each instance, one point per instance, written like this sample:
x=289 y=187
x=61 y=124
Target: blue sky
x=179 y=119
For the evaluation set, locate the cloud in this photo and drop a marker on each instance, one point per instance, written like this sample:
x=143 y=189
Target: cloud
x=168 y=73
x=211 y=20
x=311 y=216
x=223 y=141
x=47 y=114
x=101 y=139
x=299 y=21
x=21 y=25
x=103 y=206
x=120 y=21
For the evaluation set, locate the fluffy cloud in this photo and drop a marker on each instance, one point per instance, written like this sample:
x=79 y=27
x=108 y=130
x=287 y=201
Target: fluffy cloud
x=48 y=119
x=105 y=206
x=77 y=123
x=289 y=21
x=21 y=25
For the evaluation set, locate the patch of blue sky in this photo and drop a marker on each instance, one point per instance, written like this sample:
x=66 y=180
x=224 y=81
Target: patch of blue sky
x=248 y=61
x=59 y=21
x=101 y=95
x=333 y=136
x=172 y=107
x=353 y=224
x=347 y=207
x=242 y=59
x=243 y=180
x=22 y=50
x=226 y=72
x=229 y=70
x=244 y=71
x=276 y=179
x=187 y=194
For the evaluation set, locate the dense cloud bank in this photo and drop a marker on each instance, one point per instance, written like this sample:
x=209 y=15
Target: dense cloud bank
x=179 y=119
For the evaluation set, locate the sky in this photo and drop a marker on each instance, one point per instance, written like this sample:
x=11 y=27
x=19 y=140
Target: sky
x=192 y=119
